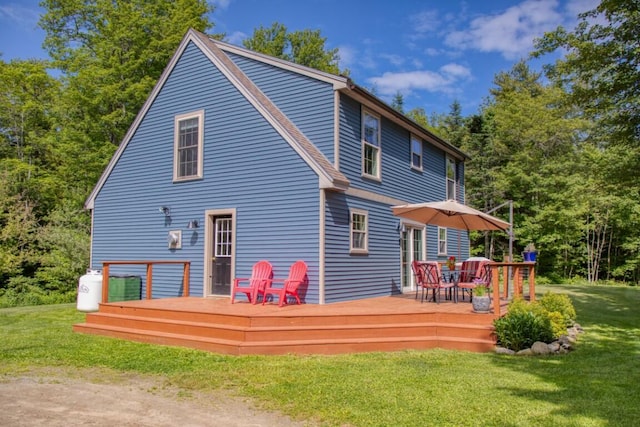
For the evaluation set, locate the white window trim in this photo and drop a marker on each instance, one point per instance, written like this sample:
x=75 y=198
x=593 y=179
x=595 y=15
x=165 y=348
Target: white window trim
x=416 y=167
x=364 y=213
x=443 y=240
x=378 y=148
x=446 y=177
x=178 y=118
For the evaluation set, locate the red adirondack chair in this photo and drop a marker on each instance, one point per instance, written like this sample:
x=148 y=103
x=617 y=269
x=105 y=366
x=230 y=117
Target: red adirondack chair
x=261 y=277
x=472 y=274
x=289 y=286
x=428 y=276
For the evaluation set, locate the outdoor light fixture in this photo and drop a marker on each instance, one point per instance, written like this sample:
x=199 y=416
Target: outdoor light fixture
x=165 y=210
x=193 y=224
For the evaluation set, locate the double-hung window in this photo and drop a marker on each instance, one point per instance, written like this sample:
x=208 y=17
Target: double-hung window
x=188 y=146
x=451 y=178
x=442 y=241
x=359 y=238
x=370 y=145
x=416 y=153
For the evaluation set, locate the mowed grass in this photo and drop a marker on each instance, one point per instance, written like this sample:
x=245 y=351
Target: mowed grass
x=596 y=385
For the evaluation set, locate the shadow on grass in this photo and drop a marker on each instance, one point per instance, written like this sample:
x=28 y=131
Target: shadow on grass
x=597 y=384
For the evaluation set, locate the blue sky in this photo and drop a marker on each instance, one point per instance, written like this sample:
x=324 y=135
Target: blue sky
x=433 y=52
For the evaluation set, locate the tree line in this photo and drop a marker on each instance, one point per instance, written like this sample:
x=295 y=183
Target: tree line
x=562 y=145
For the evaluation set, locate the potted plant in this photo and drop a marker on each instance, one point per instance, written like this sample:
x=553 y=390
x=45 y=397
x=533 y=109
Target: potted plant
x=451 y=263
x=480 y=299
x=529 y=253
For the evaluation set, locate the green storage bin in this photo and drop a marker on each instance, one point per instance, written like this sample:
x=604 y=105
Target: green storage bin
x=124 y=288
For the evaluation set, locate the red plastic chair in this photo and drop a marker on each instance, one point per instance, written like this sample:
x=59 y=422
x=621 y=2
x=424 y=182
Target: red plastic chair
x=290 y=285
x=261 y=277
x=472 y=274
x=429 y=277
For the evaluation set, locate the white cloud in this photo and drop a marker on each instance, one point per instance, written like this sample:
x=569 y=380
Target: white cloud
x=20 y=15
x=347 y=55
x=236 y=38
x=444 y=80
x=425 y=22
x=396 y=60
x=222 y=4
x=510 y=33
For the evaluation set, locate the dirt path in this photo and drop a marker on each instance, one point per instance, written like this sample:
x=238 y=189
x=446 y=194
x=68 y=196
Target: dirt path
x=56 y=400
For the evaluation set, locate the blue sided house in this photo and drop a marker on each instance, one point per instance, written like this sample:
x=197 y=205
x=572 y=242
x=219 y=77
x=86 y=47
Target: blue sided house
x=238 y=157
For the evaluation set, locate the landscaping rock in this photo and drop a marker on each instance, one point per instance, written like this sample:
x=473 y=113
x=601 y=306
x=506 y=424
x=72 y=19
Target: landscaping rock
x=562 y=345
x=504 y=350
x=540 y=347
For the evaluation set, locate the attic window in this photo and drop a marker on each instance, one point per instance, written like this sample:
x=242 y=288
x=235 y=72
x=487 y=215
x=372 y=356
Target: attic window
x=188 y=146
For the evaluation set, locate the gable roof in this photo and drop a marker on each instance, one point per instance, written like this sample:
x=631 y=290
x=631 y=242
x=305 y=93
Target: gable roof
x=329 y=176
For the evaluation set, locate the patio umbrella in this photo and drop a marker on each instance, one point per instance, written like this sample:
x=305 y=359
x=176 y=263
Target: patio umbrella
x=450 y=214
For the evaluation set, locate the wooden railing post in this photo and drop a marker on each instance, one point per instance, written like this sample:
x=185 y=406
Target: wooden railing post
x=105 y=282
x=185 y=279
x=495 y=283
x=149 y=279
x=532 y=282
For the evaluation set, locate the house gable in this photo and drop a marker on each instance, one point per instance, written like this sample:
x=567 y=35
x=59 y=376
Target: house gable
x=329 y=176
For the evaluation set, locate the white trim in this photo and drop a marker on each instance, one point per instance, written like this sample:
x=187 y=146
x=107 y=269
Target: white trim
x=364 y=143
x=415 y=138
x=199 y=114
x=365 y=214
x=209 y=228
x=375 y=197
x=338 y=82
x=322 y=247
x=336 y=129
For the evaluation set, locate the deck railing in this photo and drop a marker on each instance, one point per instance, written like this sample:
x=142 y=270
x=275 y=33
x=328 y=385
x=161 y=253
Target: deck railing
x=517 y=270
x=186 y=265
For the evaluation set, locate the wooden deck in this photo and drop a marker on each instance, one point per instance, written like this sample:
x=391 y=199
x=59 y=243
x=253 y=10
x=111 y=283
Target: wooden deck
x=376 y=324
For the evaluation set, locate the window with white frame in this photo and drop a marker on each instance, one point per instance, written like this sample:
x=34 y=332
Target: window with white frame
x=188 y=146
x=359 y=231
x=442 y=241
x=451 y=178
x=416 y=153
x=370 y=145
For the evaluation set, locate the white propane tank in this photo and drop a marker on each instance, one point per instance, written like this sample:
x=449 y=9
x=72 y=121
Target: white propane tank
x=90 y=291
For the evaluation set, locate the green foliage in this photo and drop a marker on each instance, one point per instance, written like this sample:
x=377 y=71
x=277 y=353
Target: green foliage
x=523 y=325
x=561 y=304
x=304 y=47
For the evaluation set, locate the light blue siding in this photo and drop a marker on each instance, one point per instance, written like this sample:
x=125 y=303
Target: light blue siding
x=307 y=102
x=247 y=166
x=377 y=273
x=399 y=180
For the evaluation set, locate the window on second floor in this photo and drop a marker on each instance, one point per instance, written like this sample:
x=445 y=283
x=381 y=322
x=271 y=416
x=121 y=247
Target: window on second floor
x=370 y=145
x=451 y=178
x=188 y=146
x=359 y=231
x=442 y=241
x=416 y=153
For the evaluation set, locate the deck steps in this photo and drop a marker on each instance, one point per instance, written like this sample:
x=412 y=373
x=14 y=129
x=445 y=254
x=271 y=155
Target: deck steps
x=283 y=332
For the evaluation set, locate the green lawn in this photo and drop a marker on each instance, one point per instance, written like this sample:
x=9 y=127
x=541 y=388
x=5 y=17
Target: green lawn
x=596 y=385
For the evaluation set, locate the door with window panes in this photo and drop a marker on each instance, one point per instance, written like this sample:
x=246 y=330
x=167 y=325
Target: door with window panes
x=220 y=271
x=412 y=248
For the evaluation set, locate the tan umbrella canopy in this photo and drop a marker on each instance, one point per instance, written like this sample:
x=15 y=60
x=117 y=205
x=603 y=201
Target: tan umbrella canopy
x=450 y=214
